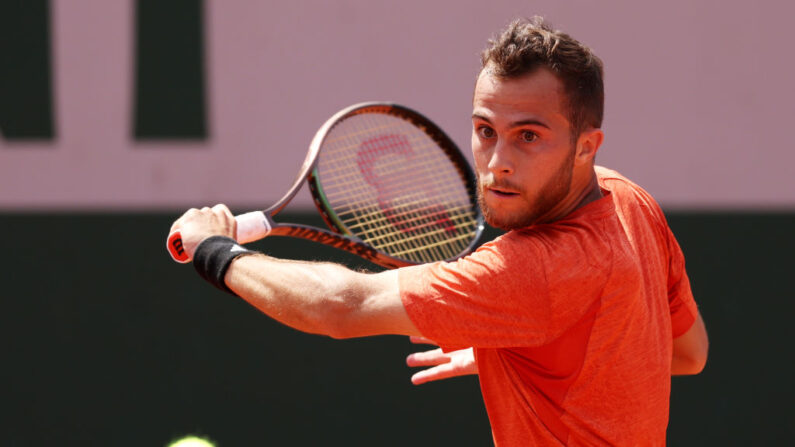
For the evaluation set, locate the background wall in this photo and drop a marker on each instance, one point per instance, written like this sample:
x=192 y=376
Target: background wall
x=698 y=99
x=116 y=116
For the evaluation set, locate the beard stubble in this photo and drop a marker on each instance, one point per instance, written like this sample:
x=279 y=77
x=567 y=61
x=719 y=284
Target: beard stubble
x=552 y=193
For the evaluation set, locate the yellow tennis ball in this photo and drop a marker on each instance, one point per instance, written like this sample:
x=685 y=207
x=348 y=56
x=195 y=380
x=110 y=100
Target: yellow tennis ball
x=191 y=441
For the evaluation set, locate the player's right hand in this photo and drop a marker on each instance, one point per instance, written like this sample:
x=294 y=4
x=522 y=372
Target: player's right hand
x=198 y=224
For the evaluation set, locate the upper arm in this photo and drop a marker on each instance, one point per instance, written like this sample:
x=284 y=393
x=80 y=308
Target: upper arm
x=373 y=308
x=690 y=349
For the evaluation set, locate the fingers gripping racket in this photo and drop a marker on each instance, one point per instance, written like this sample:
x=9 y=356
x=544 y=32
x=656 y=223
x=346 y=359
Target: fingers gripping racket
x=393 y=188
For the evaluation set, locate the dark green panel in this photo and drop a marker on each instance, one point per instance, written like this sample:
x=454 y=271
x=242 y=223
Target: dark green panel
x=741 y=271
x=26 y=106
x=105 y=341
x=169 y=87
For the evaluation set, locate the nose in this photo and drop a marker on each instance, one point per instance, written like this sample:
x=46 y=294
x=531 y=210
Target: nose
x=501 y=162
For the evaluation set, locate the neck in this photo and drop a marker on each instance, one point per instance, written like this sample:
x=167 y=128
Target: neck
x=592 y=192
x=582 y=193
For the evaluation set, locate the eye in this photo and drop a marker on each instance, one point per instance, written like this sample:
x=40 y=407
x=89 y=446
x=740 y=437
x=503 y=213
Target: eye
x=486 y=132
x=528 y=136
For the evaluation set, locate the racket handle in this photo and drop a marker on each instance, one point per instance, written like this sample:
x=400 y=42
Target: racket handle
x=251 y=227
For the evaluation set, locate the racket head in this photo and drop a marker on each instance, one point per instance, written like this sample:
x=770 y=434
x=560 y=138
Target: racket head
x=388 y=176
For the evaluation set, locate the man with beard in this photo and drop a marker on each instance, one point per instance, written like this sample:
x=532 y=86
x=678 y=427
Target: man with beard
x=574 y=319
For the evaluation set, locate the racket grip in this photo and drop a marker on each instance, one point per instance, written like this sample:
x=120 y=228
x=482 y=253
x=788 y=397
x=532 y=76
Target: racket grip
x=251 y=227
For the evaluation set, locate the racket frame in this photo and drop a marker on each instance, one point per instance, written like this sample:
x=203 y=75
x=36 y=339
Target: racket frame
x=433 y=131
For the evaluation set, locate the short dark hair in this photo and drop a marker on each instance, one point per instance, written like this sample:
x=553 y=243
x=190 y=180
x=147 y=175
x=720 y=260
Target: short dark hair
x=529 y=44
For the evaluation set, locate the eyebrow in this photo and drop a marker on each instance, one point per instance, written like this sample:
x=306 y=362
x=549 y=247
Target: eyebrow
x=527 y=122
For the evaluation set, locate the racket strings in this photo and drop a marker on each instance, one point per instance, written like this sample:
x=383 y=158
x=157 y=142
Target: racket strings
x=402 y=207
x=402 y=185
x=413 y=199
x=390 y=184
x=372 y=225
x=366 y=130
x=395 y=182
x=423 y=146
x=424 y=225
x=407 y=213
x=409 y=218
x=379 y=236
x=387 y=235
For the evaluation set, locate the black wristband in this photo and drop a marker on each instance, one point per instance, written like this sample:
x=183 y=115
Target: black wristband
x=213 y=257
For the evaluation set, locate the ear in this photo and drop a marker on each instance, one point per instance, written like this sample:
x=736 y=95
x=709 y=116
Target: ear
x=588 y=144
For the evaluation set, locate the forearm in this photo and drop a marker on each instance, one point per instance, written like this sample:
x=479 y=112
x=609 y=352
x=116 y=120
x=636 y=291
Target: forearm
x=302 y=295
x=690 y=350
x=685 y=366
x=320 y=298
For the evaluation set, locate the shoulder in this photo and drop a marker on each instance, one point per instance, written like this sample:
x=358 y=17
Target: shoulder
x=613 y=180
x=626 y=193
x=640 y=216
x=510 y=251
x=512 y=255
x=579 y=245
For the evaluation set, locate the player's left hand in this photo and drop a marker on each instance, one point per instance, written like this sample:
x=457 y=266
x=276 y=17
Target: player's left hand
x=443 y=365
x=198 y=224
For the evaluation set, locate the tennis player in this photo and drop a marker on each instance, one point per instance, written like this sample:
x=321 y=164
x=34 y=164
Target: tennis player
x=574 y=319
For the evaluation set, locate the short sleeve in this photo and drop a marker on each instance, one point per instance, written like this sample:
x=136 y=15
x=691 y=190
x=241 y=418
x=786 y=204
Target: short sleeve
x=518 y=290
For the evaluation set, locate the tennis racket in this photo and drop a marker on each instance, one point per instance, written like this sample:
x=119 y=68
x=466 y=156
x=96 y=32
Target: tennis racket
x=391 y=186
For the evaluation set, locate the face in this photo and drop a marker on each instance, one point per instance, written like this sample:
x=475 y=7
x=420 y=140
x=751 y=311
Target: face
x=522 y=146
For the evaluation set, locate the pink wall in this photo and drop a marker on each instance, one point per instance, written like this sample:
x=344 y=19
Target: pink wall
x=700 y=97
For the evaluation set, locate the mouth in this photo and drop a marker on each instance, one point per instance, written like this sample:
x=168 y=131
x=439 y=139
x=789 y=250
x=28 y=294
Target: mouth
x=502 y=192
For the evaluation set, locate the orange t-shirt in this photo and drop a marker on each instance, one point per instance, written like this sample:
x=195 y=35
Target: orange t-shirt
x=572 y=322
